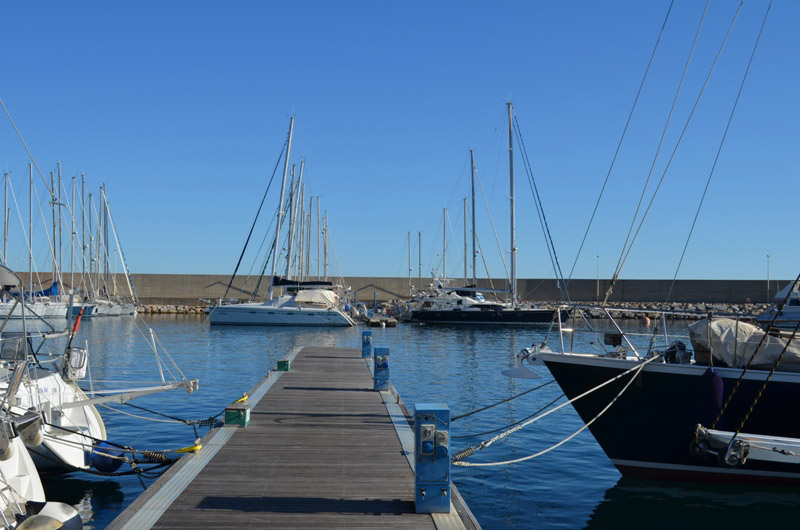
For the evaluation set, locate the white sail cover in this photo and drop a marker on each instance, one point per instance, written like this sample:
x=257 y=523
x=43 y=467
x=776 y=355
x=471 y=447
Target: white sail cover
x=317 y=296
x=735 y=343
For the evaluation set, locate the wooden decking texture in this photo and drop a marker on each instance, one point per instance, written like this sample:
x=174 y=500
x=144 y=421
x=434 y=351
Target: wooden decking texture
x=320 y=452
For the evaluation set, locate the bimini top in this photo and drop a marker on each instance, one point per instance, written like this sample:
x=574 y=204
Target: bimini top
x=317 y=296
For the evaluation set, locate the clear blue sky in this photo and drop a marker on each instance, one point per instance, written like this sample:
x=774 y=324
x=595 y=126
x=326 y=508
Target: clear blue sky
x=182 y=107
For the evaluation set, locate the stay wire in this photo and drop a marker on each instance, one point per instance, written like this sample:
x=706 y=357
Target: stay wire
x=719 y=149
x=622 y=138
x=252 y=227
x=511 y=424
x=680 y=140
x=620 y=261
x=467 y=414
x=551 y=248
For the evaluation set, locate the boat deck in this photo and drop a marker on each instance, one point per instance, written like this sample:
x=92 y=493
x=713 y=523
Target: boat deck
x=322 y=450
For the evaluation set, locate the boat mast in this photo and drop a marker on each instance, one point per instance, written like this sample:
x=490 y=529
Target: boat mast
x=308 y=246
x=91 y=247
x=419 y=253
x=301 y=230
x=444 y=243
x=466 y=249
x=106 y=264
x=474 y=252
x=6 y=216
x=53 y=215
x=30 y=228
x=318 y=238
x=280 y=207
x=83 y=230
x=325 y=237
x=409 y=263
x=60 y=226
x=290 y=238
x=72 y=241
x=511 y=200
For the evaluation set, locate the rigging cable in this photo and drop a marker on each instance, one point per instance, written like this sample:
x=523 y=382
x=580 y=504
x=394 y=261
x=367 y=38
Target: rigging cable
x=551 y=248
x=680 y=139
x=235 y=270
x=620 y=261
x=622 y=137
x=510 y=424
x=719 y=150
x=502 y=401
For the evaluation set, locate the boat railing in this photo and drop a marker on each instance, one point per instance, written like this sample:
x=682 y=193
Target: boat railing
x=611 y=328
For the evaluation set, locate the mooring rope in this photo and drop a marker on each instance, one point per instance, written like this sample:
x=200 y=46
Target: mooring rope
x=457 y=458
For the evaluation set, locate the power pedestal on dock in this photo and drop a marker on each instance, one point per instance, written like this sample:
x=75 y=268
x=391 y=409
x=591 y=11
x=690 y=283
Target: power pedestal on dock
x=366 y=344
x=432 y=458
x=381 y=369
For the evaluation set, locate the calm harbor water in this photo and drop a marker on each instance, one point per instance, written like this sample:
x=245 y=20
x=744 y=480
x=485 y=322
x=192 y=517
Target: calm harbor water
x=575 y=486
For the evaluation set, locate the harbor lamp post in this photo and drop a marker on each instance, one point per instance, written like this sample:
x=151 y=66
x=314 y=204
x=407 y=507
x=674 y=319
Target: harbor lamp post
x=597 y=289
x=767 y=278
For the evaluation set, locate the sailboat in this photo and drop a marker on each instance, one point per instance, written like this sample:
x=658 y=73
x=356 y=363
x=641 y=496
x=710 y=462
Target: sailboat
x=303 y=303
x=711 y=403
x=466 y=305
x=70 y=425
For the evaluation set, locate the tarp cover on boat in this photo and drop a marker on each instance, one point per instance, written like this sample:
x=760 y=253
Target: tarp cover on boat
x=735 y=343
x=317 y=296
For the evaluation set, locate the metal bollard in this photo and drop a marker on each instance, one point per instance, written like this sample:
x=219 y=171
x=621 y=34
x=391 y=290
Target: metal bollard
x=381 y=369
x=432 y=458
x=366 y=344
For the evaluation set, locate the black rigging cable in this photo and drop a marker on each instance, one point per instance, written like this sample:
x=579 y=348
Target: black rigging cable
x=622 y=137
x=247 y=241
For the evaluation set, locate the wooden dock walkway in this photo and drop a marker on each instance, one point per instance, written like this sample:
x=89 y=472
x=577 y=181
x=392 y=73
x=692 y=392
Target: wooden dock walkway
x=322 y=450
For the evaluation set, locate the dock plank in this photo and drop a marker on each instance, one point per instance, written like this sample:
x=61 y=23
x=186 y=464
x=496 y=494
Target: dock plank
x=320 y=451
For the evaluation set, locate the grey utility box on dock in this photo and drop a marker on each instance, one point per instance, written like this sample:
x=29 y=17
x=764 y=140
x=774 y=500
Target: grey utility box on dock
x=237 y=414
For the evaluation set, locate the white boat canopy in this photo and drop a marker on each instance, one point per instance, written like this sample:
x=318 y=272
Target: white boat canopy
x=735 y=343
x=317 y=296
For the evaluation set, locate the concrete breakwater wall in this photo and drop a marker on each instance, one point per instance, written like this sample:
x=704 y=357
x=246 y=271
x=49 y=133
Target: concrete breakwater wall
x=200 y=289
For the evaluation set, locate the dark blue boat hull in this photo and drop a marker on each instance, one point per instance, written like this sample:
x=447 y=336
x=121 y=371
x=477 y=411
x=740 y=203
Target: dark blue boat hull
x=648 y=431
x=505 y=317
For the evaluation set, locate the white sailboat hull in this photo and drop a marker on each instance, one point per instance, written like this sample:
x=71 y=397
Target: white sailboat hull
x=265 y=314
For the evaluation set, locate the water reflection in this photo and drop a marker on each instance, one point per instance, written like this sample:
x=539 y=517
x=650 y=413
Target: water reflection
x=668 y=504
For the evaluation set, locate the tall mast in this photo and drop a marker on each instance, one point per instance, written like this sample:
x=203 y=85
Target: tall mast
x=60 y=226
x=511 y=200
x=91 y=245
x=444 y=243
x=318 y=238
x=325 y=237
x=5 y=219
x=308 y=244
x=83 y=228
x=419 y=252
x=106 y=267
x=466 y=249
x=72 y=241
x=30 y=228
x=280 y=207
x=53 y=213
x=474 y=249
x=301 y=229
x=292 y=201
x=409 y=263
